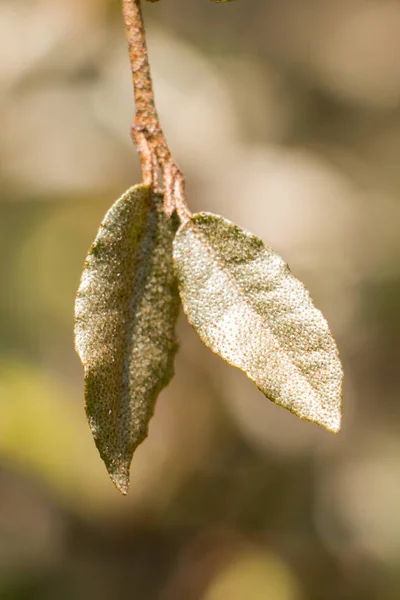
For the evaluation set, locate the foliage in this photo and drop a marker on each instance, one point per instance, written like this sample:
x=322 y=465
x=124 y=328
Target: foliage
x=238 y=294
x=246 y=305
x=126 y=308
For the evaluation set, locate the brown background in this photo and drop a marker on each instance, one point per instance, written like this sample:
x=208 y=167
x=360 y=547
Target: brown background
x=285 y=117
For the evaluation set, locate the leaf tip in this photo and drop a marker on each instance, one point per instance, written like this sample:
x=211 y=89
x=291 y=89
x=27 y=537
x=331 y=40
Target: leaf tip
x=331 y=421
x=335 y=424
x=119 y=475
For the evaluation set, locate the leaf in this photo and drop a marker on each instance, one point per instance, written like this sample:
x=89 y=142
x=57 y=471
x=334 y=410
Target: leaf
x=246 y=305
x=125 y=313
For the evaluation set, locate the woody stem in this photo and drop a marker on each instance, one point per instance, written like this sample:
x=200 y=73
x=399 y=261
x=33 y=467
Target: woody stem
x=146 y=130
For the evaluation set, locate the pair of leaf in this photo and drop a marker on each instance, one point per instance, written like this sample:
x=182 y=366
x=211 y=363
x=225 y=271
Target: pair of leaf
x=237 y=293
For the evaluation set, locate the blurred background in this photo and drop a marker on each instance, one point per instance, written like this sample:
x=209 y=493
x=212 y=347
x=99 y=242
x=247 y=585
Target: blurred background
x=285 y=117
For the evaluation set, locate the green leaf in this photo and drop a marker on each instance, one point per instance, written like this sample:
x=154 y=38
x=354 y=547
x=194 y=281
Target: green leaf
x=246 y=305
x=125 y=314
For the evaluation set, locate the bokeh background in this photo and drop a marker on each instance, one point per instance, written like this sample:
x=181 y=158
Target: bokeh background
x=285 y=117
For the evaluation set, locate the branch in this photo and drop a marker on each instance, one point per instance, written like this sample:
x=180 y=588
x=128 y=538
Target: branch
x=146 y=130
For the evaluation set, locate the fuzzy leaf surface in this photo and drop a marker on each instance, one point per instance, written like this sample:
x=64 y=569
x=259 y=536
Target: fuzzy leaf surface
x=125 y=314
x=246 y=305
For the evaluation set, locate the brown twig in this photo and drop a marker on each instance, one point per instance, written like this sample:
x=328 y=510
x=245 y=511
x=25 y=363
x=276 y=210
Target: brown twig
x=146 y=130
